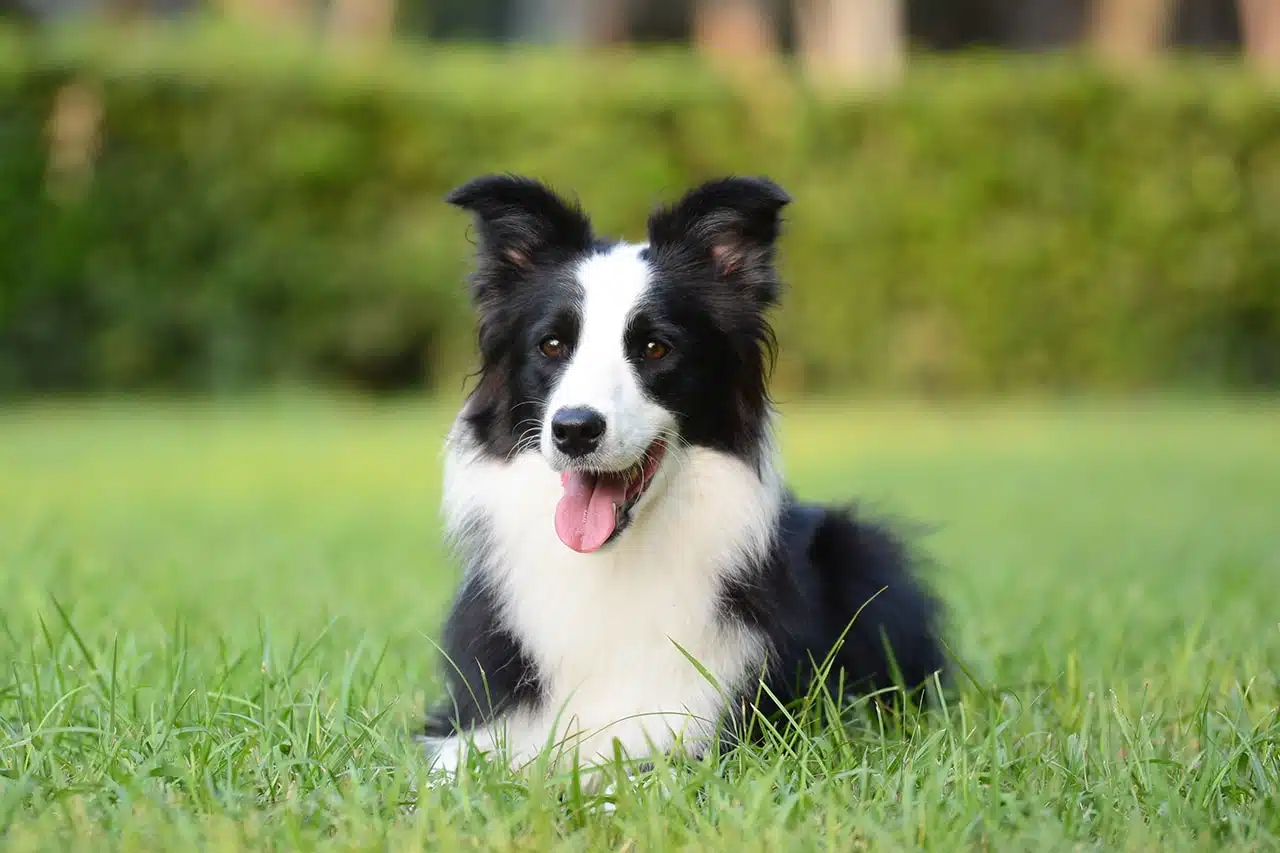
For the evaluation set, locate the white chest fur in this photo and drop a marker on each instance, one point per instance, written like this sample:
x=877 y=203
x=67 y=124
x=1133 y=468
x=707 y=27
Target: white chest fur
x=606 y=630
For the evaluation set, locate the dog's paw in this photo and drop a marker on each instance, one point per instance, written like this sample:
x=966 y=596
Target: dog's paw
x=660 y=782
x=444 y=757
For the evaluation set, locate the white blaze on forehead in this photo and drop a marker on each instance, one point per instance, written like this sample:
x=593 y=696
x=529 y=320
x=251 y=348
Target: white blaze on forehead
x=599 y=375
x=612 y=285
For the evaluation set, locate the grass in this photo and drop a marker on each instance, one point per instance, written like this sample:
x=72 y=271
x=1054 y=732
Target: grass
x=217 y=626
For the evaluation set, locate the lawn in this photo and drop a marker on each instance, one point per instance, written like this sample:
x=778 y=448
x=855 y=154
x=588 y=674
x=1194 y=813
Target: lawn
x=217 y=627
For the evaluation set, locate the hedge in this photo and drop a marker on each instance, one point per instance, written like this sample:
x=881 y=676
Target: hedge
x=264 y=213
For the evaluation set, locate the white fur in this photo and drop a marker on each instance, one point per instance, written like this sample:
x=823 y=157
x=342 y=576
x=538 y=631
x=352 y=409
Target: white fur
x=602 y=628
x=599 y=375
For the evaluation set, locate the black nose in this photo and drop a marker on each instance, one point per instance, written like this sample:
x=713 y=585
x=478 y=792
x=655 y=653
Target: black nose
x=577 y=432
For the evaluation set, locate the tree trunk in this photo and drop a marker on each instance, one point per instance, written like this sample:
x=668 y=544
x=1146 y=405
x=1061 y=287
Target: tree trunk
x=288 y=14
x=852 y=43
x=126 y=11
x=734 y=30
x=74 y=131
x=1131 y=32
x=571 y=21
x=1260 y=26
x=362 y=20
x=610 y=21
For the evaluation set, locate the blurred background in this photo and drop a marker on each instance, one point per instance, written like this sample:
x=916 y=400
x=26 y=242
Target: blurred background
x=993 y=196
x=1033 y=312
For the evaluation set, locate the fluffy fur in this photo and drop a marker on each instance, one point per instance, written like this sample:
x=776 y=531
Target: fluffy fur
x=664 y=347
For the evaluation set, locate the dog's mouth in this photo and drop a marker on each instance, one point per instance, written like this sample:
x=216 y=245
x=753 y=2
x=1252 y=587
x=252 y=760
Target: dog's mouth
x=596 y=506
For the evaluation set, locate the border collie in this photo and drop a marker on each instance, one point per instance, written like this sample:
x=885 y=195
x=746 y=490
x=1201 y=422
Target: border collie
x=635 y=567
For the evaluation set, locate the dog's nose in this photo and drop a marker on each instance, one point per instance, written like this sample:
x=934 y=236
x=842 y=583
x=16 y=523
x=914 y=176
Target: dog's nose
x=577 y=431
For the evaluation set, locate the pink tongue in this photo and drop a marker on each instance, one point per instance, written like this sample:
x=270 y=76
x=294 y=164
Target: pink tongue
x=585 y=517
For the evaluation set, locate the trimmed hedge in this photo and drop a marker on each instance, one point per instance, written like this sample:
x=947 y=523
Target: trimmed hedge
x=261 y=213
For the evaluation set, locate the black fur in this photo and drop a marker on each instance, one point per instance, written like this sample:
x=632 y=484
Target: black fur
x=841 y=586
x=487 y=670
x=520 y=292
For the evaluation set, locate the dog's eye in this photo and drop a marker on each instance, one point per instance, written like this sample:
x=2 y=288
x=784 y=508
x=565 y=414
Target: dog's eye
x=552 y=348
x=655 y=350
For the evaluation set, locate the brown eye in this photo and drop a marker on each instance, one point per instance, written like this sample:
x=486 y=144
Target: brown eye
x=552 y=348
x=655 y=350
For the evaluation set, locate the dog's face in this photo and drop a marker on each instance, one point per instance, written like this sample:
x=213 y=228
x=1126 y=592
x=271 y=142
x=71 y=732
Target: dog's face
x=608 y=358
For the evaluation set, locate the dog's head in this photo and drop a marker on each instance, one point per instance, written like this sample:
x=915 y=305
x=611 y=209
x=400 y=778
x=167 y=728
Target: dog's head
x=608 y=358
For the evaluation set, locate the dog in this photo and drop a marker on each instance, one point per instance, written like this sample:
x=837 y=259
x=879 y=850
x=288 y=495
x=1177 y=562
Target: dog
x=637 y=574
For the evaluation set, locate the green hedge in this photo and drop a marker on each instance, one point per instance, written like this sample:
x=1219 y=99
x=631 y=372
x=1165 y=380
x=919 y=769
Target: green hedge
x=261 y=213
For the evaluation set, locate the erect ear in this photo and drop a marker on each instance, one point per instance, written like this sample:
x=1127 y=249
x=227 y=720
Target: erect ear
x=520 y=218
x=732 y=223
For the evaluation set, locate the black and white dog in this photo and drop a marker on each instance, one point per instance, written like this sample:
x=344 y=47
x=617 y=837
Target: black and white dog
x=613 y=488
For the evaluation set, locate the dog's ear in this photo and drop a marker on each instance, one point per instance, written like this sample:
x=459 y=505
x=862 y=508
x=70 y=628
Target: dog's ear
x=521 y=219
x=731 y=224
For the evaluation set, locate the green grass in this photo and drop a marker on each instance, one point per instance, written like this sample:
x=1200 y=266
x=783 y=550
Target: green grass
x=217 y=626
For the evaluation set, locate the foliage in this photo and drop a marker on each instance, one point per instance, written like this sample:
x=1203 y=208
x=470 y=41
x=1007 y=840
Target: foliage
x=270 y=212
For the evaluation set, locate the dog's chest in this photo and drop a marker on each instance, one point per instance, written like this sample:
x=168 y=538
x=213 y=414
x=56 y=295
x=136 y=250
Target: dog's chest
x=623 y=627
x=613 y=633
